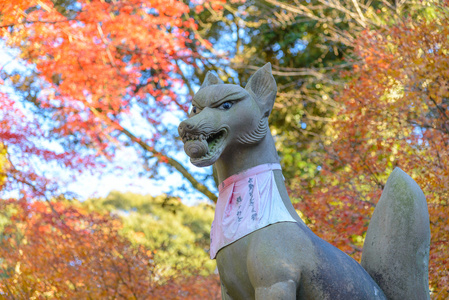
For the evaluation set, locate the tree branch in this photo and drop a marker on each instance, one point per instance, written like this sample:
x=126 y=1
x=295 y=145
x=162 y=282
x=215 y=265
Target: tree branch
x=174 y=163
x=35 y=21
x=171 y=161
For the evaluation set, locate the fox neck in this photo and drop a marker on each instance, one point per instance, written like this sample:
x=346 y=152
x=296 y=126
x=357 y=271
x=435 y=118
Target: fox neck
x=239 y=158
x=243 y=157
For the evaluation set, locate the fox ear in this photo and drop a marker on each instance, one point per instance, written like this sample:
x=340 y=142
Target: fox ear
x=262 y=87
x=210 y=79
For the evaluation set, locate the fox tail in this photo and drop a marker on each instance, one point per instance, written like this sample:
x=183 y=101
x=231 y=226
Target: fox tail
x=397 y=243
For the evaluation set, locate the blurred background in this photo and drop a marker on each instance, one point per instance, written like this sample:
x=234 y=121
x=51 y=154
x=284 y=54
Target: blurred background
x=98 y=199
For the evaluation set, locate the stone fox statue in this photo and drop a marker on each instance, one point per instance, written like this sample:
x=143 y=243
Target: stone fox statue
x=263 y=249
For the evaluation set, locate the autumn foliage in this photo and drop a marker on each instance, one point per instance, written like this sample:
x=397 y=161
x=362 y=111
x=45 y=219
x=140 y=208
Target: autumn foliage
x=20 y=135
x=394 y=113
x=59 y=250
x=96 y=65
x=90 y=65
x=51 y=251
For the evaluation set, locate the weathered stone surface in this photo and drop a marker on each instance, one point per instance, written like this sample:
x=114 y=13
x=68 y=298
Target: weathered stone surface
x=196 y=148
x=286 y=260
x=396 y=249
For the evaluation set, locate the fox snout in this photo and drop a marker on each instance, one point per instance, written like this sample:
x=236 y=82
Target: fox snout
x=185 y=127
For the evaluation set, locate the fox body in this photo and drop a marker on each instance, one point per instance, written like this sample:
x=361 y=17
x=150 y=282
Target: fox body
x=228 y=128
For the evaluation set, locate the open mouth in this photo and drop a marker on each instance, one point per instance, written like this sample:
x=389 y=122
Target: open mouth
x=202 y=149
x=213 y=141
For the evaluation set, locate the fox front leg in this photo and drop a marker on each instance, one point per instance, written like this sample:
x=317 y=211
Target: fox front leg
x=281 y=290
x=272 y=263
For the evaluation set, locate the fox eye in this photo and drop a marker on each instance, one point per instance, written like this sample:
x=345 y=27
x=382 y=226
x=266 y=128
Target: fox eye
x=226 y=105
x=194 y=110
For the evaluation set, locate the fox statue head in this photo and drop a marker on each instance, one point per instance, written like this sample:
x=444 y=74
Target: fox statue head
x=226 y=118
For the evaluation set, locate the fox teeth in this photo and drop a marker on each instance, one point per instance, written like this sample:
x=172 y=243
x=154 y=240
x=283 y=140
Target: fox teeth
x=192 y=137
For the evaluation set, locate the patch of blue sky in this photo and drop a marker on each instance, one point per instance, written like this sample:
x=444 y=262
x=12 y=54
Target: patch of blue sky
x=299 y=46
x=126 y=172
x=10 y=64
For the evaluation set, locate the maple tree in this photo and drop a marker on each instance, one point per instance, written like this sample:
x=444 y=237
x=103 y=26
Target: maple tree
x=307 y=44
x=91 y=66
x=20 y=135
x=395 y=112
x=63 y=251
x=97 y=65
x=68 y=256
